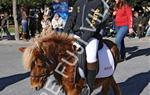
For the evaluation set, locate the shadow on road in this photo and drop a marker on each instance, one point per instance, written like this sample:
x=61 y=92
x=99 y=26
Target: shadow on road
x=6 y=81
x=131 y=49
x=135 y=52
x=135 y=84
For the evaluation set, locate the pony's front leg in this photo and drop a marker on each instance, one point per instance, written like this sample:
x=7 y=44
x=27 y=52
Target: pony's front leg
x=105 y=86
x=70 y=89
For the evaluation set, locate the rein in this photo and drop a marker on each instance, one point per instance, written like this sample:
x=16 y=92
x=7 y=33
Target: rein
x=48 y=62
x=42 y=75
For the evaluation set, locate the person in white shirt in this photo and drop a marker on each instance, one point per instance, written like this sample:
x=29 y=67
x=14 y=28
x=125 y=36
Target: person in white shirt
x=58 y=23
x=45 y=22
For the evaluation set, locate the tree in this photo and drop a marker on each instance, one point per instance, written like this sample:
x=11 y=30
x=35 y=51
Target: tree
x=15 y=19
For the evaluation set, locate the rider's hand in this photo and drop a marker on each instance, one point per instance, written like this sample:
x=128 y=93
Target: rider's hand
x=77 y=46
x=76 y=36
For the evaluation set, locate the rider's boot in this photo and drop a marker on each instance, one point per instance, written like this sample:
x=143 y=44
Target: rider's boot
x=91 y=75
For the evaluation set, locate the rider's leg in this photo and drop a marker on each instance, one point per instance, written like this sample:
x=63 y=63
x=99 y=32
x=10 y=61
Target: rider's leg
x=91 y=53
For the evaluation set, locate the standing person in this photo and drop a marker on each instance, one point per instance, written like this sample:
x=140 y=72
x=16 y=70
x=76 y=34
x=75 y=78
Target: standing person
x=60 y=7
x=24 y=22
x=46 y=24
x=139 y=24
x=4 y=25
x=123 y=22
x=58 y=23
x=85 y=21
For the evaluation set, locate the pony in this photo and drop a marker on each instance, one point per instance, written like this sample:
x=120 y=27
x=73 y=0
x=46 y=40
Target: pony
x=44 y=55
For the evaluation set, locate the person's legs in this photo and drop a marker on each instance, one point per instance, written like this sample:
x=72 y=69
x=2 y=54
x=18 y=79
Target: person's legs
x=123 y=50
x=7 y=32
x=121 y=33
x=91 y=56
x=24 y=29
x=24 y=26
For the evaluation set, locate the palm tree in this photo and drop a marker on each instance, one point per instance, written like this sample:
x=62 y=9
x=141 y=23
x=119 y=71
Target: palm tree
x=15 y=19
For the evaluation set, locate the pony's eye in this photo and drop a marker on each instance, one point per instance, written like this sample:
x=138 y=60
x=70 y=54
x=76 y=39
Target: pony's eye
x=40 y=64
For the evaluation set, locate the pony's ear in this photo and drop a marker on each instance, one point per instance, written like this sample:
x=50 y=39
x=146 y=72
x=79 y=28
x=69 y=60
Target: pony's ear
x=22 y=49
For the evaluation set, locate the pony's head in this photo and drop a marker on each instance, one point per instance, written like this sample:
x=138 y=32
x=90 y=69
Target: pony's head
x=39 y=64
x=43 y=56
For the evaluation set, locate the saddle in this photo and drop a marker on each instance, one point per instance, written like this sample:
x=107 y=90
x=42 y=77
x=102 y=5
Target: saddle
x=106 y=59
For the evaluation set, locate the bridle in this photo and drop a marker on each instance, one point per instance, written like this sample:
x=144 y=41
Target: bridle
x=47 y=61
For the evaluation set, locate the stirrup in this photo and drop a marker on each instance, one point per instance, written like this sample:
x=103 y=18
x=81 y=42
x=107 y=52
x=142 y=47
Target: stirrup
x=85 y=90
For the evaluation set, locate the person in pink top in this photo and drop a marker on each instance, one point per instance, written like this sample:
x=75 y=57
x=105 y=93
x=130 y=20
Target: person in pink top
x=123 y=22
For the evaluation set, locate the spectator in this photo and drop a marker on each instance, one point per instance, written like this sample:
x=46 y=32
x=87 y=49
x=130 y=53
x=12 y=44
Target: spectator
x=4 y=21
x=61 y=8
x=123 y=22
x=139 y=24
x=32 y=22
x=46 y=10
x=45 y=23
x=24 y=22
x=57 y=23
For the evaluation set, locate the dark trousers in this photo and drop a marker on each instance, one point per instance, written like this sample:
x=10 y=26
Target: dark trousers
x=5 y=29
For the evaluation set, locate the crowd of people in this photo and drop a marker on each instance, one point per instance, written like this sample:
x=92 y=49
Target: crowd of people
x=36 y=20
x=33 y=20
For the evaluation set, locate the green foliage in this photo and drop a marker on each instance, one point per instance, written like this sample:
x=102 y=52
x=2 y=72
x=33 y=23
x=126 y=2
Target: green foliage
x=137 y=2
x=28 y=2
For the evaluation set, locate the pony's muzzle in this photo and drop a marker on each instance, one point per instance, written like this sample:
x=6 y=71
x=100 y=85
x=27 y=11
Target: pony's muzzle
x=37 y=88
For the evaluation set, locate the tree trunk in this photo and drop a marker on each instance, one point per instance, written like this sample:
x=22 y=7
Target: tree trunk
x=15 y=20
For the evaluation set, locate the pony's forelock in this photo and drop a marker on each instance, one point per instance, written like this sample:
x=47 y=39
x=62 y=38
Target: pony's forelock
x=28 y=57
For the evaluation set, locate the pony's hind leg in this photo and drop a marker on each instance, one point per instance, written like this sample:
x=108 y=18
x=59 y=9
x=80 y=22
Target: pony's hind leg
x=105 y=86
x=115 y=86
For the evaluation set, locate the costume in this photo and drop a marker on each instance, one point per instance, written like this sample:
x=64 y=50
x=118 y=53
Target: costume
x=86 y=21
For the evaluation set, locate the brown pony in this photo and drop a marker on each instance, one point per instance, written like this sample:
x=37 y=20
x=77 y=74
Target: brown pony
x=45 y=54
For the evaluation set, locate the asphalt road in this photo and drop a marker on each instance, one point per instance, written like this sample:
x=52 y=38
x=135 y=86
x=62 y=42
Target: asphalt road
x=132 y=75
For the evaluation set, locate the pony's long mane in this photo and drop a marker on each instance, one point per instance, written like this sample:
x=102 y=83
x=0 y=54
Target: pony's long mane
x=58 y=38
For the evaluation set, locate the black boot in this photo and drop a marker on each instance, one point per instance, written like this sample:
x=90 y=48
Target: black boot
x=91 y=75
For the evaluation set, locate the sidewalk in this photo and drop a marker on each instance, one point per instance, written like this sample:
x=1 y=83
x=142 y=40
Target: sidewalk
x=5 y=42
x=127 y=40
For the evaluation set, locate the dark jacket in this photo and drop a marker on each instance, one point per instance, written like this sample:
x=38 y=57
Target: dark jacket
x=86 y=18
x=4 y=22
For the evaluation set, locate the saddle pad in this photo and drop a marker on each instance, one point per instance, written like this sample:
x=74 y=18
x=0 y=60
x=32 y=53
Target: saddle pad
x=106 y=63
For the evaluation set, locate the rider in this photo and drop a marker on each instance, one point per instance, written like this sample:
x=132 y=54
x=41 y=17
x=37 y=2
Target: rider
x=86 y=21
